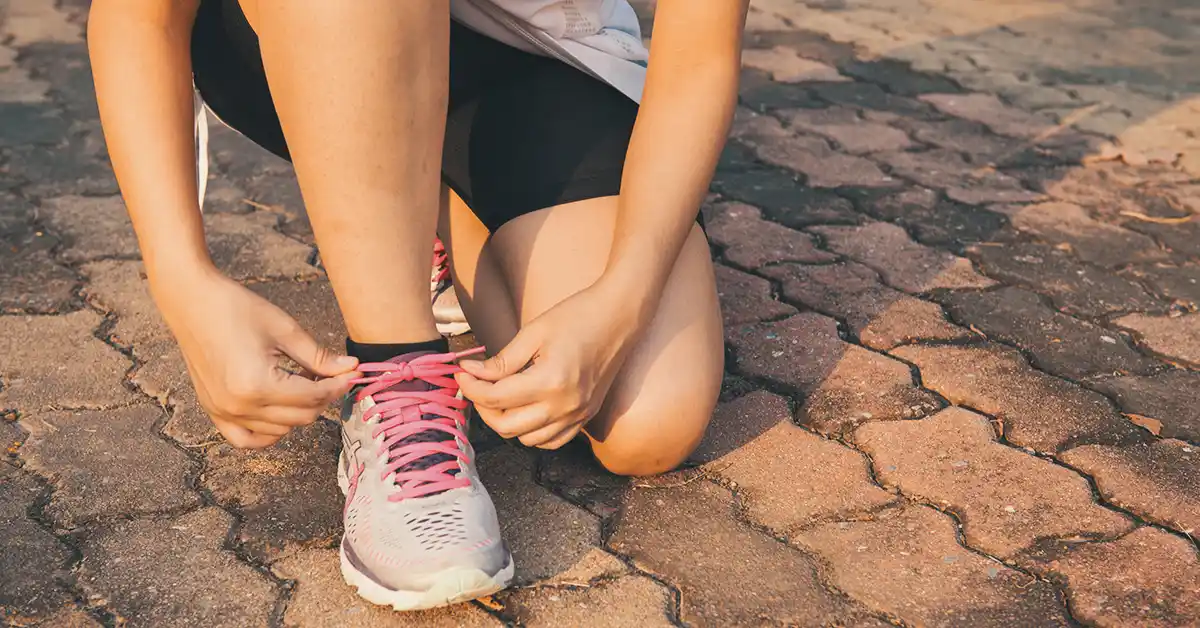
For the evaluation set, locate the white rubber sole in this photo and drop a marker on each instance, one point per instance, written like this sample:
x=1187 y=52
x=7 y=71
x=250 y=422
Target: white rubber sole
x=453 y=329
x=451 y=586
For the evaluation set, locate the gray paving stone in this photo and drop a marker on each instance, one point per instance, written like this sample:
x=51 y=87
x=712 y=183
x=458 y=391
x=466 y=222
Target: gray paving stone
x=962 y=181
x=1170 y=397
x=903 y=264
x=106 y=463
x=1093 y=241
x=30 y=279
x=1159 y=481
x=626 y=601
x=751 y=242
x=852 y=134
x=1176 y=337
x=91 y=227
x=937 y=222
x=174 y=572
x=988 y=110
x=1178 y=283
x=1034 y=410
x=1059 y=344
x=746 y=298
x=31 y=559
x=786 y=201
x=842 y=384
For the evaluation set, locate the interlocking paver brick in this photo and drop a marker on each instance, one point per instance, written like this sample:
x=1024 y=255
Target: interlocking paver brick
x=30 y=280
x=1147 y=578
x=1059 y=344
x=321 y=599
x=70 y=618
x=963 y=181
x=965 y=137
x=687 y=536
x=92 y=227
x=1176 y=337
x=870 y=96
x=626 y=601
x=1074 y=287
x=904 y=264
x=1159 y=481
x=26 y=22
x=70 y=168
x=899 y=77
x=1178 y=283
x=785 y=476
x=758 y=92
x=286 y=495
x=119 y=288
x=937 y=222
x=1034 y=409
x=879 y=316
x=546 y=534
x=1169 y=397
x=106 y=463
x=843 y=384
x=250 y=246
x=906 y=563
x=852 y=134
x=174 y=572
x=164 y=377
x=988 y=110
x=807 y=154
x=785 y=65
x=751 y=242
x=746 y=298
x=574 y=473
x=31 y=559
x=56 y=362
x=785 y=201
x=1006 y=499
x=1093 y=241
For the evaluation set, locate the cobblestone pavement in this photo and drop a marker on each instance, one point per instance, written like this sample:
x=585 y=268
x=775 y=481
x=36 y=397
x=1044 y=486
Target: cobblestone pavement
x=960 y=262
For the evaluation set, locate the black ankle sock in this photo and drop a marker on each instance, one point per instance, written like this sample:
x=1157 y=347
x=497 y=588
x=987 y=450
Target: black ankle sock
x=383 y=352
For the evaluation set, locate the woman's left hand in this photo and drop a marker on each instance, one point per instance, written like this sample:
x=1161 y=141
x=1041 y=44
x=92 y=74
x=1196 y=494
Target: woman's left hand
x=555 y=374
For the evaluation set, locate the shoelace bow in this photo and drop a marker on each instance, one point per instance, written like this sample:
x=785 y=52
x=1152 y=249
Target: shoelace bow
x=406 y=413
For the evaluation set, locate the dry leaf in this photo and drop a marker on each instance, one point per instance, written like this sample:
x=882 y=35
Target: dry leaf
x=1154 y=426
x=1179 y=220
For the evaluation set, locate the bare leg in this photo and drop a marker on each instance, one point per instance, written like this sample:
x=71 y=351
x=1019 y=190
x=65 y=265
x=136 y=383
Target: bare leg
x=361 y=91
x=662 y=401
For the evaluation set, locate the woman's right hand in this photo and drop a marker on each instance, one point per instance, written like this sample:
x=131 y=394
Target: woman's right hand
x=232 y=340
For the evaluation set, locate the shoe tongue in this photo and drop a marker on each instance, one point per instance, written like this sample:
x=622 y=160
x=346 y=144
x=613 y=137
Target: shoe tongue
x=427 y=436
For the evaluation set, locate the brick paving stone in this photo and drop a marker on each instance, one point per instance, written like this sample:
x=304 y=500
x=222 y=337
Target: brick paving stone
x=786 y=477
x=1006 y=500
x=853 y=135
x=55 y=361
x=31 y=559
x=988 y=110
x=759 y=93
x=1177 y=338
x=322 y=599
x=688 y=537
x=936 y=222
x=807 y=154
x=751 y=242
x=573 y=472
x=30 y=280
x=106 y=463
x=1093 y=241
x=1156 y=582
x=880 y=317
x=1178 y=283
x=786 y=66
x=963 y=181
x=119 y=288
x=968 y=138
x=1169 y=397
x=250 y=246
x=546 y=534
x=785 y=201
x=869 y=96
x=27 y=22
x=164 y=377
x=70 y=618
x=843 y=384
x=1035 y=410
x=1059 y=344
x=92 y=227
x=1074 y=287
x=904 y=264
x=174 y=572
x=1159 y=481
x=310 y=303
x=1181 y=239
x=899 y=77
x=907 y=563
x=286 y=495
x=746 y=298
x=627 y=601
x=70 y=168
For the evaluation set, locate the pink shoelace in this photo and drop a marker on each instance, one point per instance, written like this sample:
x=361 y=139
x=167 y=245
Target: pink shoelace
x=407 y=413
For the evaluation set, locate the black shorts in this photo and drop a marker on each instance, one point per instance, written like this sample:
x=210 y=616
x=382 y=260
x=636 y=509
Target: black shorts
x=523 y=132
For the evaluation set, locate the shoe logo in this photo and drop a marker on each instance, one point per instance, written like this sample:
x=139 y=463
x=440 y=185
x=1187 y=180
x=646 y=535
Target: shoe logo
x=354 y=470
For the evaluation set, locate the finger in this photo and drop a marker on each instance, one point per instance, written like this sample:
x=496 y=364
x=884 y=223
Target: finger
x=243 y=438
x=540 y=437
x=514 y=391
x=519 y=422
x=287 y=416
x=298 y=345
x=564 y=438
x=265 y=428
x=295 y=391
x=510 y=360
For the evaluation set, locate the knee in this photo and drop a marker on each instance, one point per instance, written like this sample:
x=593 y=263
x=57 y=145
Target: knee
x=643 y=444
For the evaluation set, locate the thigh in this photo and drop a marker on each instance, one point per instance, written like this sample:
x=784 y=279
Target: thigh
x=662 y=400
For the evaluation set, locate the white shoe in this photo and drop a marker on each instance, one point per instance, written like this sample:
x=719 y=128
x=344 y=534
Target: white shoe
x=447 y=312
x=420 y=528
